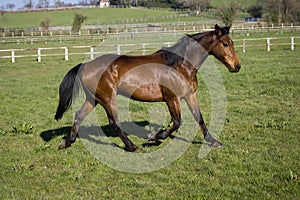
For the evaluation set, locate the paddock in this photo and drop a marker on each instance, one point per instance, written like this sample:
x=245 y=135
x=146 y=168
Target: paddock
x=260 y=157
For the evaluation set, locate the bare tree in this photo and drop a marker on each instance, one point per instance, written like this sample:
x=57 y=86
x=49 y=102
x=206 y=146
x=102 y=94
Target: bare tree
x=28 y=4
x=43 y=4
x=59 y=3
x=200 y=5
x=10 y=6
x=281 y=11
x=94 y=2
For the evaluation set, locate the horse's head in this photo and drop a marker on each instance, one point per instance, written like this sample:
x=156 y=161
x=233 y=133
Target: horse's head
x=223 y=49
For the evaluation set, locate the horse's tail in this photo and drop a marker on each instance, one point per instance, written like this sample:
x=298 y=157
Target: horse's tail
x=68 y=88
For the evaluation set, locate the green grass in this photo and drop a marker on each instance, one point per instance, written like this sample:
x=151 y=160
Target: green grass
x=243 y=3
x=95 y=16
x=260 y=159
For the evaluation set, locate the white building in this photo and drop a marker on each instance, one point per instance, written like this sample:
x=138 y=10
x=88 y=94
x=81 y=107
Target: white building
x=104 y=4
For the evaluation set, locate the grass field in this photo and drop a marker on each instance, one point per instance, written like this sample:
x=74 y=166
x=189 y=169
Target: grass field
x=243 y=3
x=94 y=16
x=259 y=160
x=104 y=16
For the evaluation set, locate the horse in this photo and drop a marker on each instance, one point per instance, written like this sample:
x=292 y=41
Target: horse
x=167 y=75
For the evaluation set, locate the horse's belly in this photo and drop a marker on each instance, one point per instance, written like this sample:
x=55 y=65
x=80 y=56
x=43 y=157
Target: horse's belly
x=150 y=92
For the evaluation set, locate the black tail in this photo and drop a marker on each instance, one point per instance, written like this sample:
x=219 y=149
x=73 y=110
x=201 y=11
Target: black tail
x=68 y=87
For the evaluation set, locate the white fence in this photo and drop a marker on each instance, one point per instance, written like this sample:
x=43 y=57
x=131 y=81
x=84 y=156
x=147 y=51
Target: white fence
x=92 y=52
x=259 y=42
x=142 y=48
x=97 y=32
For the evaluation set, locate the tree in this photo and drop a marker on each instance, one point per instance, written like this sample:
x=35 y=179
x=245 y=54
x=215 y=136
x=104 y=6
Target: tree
x=200 y=5
x=10 y=6
x=228 y=12
x=281 y=11
x=255 y=10
x=43 y=4
x=78 y=21
x=28 y=4
x=94 y=2
x=59 y=3
x=289 y=10
x=45 y=24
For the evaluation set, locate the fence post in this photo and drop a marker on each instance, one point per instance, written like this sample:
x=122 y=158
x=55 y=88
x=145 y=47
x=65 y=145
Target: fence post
x=143 y=49
x=117 y=32
x=268 y=44
x=292 y=44
x=174 y=32
x=66 y=54
x=244 y=46
x=13 y=56
x=118 y=49
x=92 y=53
x=39 y=55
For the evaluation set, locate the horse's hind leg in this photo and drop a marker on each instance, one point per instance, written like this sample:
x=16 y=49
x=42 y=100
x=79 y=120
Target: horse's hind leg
x=112 y=114
x=86 y=108
x=174 y=109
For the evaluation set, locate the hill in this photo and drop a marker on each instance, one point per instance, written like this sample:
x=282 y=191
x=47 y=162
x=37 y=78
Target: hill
x=95 y=16
x=243 y=3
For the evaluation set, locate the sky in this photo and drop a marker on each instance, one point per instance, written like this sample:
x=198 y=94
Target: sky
x=21 y=3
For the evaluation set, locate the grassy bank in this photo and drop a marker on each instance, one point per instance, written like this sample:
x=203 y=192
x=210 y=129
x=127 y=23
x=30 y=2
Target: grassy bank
x=95 y=16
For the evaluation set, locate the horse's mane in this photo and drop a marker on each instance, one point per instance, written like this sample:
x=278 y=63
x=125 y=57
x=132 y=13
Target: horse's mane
x=174 y=55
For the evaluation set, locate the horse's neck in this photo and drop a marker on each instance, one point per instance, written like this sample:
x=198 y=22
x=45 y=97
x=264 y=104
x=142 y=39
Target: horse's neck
x=197 y=51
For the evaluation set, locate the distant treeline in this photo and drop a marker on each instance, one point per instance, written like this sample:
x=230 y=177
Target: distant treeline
x=273 y=11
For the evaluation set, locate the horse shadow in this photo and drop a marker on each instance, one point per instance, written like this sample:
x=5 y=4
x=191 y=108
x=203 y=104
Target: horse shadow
x=89 y=133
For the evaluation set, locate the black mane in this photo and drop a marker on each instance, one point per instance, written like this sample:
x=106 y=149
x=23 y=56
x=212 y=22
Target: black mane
x=174 y=55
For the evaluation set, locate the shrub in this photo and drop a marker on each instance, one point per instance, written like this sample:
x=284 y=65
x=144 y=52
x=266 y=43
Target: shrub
x=78 y=21
x=45 y=24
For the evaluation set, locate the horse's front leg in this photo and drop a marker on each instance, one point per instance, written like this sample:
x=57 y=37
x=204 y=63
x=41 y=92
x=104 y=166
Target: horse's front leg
x=174 y=109
x=191 y=100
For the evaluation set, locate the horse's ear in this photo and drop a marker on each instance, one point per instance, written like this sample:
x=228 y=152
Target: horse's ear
x=218 y=30
x=227 y=28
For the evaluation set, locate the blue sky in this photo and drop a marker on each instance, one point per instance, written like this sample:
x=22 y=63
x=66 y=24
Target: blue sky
x=21 y=3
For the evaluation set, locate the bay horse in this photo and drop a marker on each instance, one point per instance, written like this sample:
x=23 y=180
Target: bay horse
x=168 y=75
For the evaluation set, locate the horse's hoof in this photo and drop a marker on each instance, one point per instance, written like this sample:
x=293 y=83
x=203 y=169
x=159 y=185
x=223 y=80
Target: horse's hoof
x=64 y=144
x=138 y=150
x=152 y=137
x=133 y=149
x=217 y=144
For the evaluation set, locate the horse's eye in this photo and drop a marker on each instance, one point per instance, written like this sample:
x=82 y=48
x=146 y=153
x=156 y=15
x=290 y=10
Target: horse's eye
x=225 y=44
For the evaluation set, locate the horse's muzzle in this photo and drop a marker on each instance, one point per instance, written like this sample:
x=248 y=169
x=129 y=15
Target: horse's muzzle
x=236 y=69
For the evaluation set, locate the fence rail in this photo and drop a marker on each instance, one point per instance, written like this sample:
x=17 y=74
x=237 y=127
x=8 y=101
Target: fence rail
x=96 y=30
x=142 y=48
